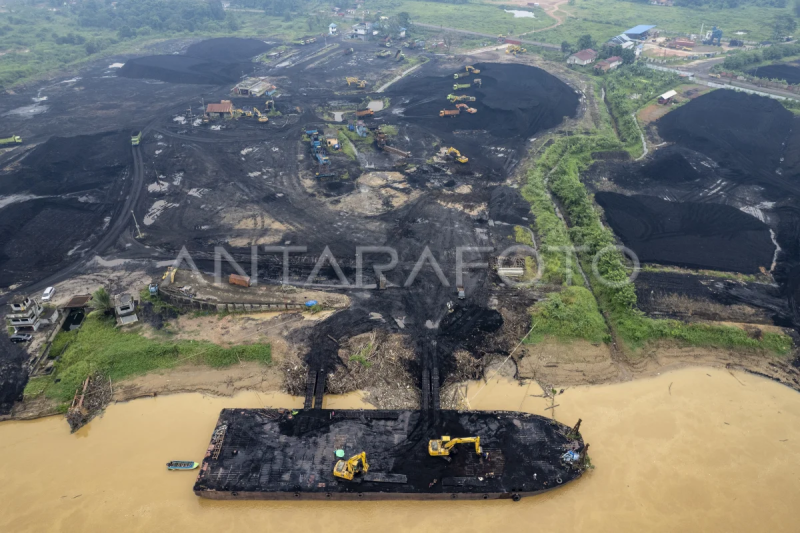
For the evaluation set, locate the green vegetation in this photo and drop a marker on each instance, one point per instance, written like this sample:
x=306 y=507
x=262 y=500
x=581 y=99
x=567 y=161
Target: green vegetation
x=99 y=347
x=569 y=314
x=61 y=341
x=34 y=41
x=629 y=89
x=739 y=61
x=36 y=386
x=472 y=16
x=389 y=129
x=347 y=147
x=101 y=300
x=603 y=19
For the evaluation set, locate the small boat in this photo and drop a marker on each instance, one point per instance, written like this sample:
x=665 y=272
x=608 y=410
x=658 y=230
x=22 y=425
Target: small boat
x=182 y=465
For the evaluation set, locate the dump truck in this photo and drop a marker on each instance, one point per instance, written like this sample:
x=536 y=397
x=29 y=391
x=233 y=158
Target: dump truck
x=136 y=138
x=458 y=86
x=449 y=112
x=14 y=139
x=365 y=113
x=460 y=98
x=458 y=75
x=242 y=281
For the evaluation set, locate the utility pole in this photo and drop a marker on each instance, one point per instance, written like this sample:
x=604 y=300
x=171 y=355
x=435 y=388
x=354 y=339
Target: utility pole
x=138 y=230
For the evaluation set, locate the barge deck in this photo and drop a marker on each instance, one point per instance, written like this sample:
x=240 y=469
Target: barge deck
x=284 y=454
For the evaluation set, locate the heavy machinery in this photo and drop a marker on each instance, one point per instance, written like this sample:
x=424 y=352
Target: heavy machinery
x=473 y=70
x=261 y=118
x=359 y=83
x=384 y=53
x=460 y=98
x=365 y=113
x=355 y=465
x=16 y=139
x=136 y=138
x=308 y=41
x=457 y=86
x=478 y=82
x=515 y=49
x=441 y=447
x=449 y=112
x=461 y=75
x=399 y=56
x=455 y=154
x=349 y=51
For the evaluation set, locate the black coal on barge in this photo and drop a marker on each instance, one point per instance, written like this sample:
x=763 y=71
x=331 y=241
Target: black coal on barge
x=276 y=454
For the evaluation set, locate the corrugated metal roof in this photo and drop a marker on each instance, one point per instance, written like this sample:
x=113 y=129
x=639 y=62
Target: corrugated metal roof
x=667 y=95
x=225 y=107
x=641 y=28
x=585 y=55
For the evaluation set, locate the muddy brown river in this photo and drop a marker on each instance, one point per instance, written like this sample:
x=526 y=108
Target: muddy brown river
x=692 y=450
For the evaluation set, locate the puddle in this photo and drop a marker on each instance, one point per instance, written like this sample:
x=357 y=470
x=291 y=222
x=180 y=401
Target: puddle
x=375 y=105
x=520 y=14
x=338 y=116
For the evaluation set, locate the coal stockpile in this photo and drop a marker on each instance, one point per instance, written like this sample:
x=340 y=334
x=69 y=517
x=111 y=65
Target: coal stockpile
x=787 y=71
x=211 y=62
x=687 y=234
x=512 y=101
x=64 y=193
x=670 y=167
x=12 y=373
x=65 y=165
x=507 y=205
x=743 y=133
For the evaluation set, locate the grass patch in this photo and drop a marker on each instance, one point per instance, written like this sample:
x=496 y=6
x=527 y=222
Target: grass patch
x=99 y=346
x=569 y=314
x=36 y=386
x=389 y=129
x=158 y=304
x=61 y=341
x=347 y=147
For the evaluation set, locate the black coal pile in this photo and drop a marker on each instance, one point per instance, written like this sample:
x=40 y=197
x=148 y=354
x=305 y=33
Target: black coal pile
x=787 y=71
x=512 y=101
x=63 y=193
x=212 y=62
x=743 y=133
x=507 y=205
x=670 y=167
x=12 y=374
x=692 y=235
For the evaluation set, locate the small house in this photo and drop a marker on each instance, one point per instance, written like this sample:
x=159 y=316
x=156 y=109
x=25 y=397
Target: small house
x=225 y=107
x=667 y=97
x=608 y=64
x=333 y=29
x=584 y=57
x=125 y=310
x=640 y=32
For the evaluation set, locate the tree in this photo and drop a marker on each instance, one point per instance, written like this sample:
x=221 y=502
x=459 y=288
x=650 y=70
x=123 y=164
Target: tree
x=447 y=39
x=783 y=27
x=566 y=47
x=628 y=56
x=101 y=300
x=404 y=19
x=217 y=11
x=797 y=8
x=585 y=41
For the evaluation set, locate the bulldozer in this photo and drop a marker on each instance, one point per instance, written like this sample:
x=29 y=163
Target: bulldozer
x=441 y=447
x=473 y=70
x=355 y=465
x=458 y=157
x=261 y=118
x=359 y=83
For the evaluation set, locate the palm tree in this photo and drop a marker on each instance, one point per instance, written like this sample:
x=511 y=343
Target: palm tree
x=101 y=300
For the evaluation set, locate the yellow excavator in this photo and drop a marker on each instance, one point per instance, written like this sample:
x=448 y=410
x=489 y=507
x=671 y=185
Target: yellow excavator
x=441 y=447
x=461 y=159
x=359 y=83
x=261 y=118
x=515 y=49
x=355 y=465
x=472 y=69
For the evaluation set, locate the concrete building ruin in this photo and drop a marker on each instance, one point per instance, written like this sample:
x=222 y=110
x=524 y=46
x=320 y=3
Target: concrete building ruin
x=28 y=315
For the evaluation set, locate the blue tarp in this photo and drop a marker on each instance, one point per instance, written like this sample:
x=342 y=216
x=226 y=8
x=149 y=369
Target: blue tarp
x=638 y=30
x=311 y=303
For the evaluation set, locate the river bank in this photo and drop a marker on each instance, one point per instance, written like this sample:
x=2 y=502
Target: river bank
x=696 y=449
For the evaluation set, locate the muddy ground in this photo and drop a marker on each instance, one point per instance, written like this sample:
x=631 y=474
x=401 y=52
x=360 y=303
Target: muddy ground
x=719 y=192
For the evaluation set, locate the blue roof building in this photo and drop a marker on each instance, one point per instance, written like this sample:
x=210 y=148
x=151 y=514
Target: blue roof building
x=638 y=32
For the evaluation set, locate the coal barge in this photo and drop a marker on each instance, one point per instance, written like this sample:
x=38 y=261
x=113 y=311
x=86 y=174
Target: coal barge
x=278 y=454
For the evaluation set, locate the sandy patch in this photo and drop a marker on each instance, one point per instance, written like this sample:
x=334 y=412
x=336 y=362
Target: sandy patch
x=376 y=193
x=469 y=208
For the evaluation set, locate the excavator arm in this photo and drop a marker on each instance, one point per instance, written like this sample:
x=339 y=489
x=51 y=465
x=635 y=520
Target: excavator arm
x=442 y=447
x=355 y=465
